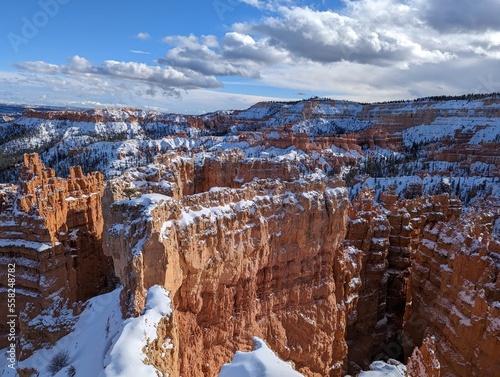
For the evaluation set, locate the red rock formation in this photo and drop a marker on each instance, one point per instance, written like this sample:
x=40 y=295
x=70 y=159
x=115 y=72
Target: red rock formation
x=264 y=259
x=368 y=231
x=230 y=256
x=454 y=294
x=51 y=229
x=423 y=361
x=387 y=236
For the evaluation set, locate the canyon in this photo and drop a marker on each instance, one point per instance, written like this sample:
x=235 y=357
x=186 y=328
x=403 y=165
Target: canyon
x=338 y=239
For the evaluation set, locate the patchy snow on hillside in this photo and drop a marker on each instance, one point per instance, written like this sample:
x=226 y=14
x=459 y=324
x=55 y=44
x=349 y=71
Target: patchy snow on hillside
x=462 y=187
x=102 y=343
x=261 y=362
x=485 y=129
x=488 y=134
x=428 y=133
x=257 y=112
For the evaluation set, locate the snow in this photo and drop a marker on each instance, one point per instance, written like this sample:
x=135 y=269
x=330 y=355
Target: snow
x=126 y=357
x=245 y=205
x=428 y=133
x=461 y=186
x=87 y=344
x=261 y=362
x=487 y=134
x=273 y=135
x=381 y=369
x=148 y=201
x=38 y=246
x=447 y=126
x=190 y=217
x=102 y=343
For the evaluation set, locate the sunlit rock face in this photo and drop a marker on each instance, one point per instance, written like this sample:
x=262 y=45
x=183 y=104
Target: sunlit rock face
x=244 y=217
x=51 y=229
x=265 y=259
x=454 y=289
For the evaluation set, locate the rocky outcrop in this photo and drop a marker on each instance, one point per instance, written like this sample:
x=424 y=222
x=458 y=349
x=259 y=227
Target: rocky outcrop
x=258 y=241
x=263 y=259
x=454 y=294
x=414 y=283
x=423 y=361
x=287 y=260
x=51 y=228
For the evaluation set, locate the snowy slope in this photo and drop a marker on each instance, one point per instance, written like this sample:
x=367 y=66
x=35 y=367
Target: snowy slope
x=123 y=138
x=102 y=343
x=261 y=362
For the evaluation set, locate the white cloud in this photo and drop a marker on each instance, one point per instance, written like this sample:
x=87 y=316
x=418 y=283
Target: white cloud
x=352 y=51
x=98 y=92
x=143 y=36
x=167 y=80
x=368 y=50
x=204 y=56
x=140 y=52
x=378 y=32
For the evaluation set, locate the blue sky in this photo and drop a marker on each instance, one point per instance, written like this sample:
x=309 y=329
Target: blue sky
x=196 y=56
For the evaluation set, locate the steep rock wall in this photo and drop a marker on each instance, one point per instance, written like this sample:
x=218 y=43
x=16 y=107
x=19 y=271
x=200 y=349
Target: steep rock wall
x=368 y=231
x=51 y=228
x=454 y=294
x=264 y=259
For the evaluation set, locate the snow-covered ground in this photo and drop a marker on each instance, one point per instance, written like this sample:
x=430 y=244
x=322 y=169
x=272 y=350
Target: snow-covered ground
x=392 y=368
x=261 y=362
x=102 y=343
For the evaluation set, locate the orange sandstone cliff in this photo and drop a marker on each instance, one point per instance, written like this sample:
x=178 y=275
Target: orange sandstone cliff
x=262 y=259
x=51 y=229
x=254 y=247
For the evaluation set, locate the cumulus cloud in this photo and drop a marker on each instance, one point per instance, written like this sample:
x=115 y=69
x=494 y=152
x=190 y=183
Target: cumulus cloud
x=383 y=33
x=403 y=37
x=364 y=50
x=169 y=80
x=370 y=32
x=204 y=55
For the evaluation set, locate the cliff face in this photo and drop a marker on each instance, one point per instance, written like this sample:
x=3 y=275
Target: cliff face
x=242 y=223
x=51 y=228
x=426 y=270
x=423 y=361
x=455 y=294
x=289 y=260
x=263 y=259
x=368 y=231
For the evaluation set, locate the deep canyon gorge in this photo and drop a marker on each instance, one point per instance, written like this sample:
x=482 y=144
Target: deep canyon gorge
x=339 y=233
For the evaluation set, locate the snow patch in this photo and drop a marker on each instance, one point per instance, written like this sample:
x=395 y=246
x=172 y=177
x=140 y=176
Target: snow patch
x=261 y=362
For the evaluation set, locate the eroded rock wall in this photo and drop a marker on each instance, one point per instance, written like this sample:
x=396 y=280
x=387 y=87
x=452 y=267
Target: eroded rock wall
x=330 y=286
x=427 y=270
x=455 y=294
x=51 y=228
x=264 y=259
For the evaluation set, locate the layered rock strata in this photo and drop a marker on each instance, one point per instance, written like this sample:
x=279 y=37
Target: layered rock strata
x=278 y=259
x=51 y=228
x=414 y=282
x=329 y=285
x=264 y=259
x=455 y=294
